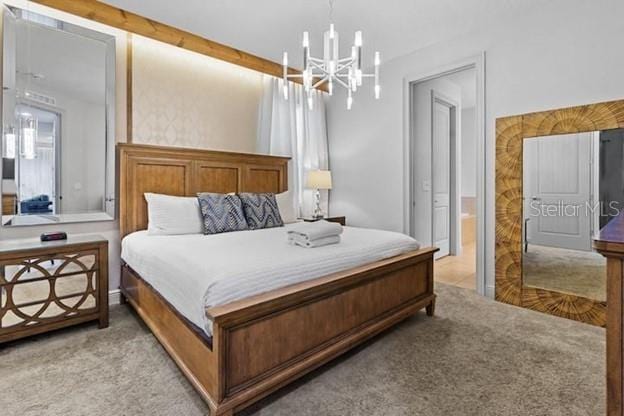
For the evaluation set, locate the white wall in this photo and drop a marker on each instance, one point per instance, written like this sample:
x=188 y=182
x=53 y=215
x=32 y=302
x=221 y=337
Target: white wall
x=182 y=98
x=563 y=53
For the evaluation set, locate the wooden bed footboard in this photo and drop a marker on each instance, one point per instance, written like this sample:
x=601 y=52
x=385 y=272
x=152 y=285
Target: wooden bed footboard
x=266 y=341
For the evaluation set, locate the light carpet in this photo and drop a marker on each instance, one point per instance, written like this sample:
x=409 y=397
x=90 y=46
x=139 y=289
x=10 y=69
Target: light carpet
x=582 y=273
x=476 y=357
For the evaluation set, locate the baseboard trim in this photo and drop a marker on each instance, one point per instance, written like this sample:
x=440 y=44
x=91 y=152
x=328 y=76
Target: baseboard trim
x=114 y=297
x=489 y=291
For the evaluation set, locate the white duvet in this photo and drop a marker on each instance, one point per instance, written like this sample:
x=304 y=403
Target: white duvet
x=195 y=272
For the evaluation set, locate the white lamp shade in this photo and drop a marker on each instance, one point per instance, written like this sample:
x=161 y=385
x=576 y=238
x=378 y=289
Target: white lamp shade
x=319 y=179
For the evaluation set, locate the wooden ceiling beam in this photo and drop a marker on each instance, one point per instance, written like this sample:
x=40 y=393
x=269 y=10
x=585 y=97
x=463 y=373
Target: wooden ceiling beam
x=134 y=23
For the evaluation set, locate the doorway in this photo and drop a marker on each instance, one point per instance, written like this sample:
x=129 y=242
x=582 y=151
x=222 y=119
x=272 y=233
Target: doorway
x=38 y=165
x=445 y=173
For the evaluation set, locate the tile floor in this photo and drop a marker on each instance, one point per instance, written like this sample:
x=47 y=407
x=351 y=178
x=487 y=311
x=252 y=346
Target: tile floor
x=458 y=270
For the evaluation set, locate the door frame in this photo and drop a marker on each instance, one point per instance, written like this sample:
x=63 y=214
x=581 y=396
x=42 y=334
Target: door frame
x=476 y=62
x=455 y=247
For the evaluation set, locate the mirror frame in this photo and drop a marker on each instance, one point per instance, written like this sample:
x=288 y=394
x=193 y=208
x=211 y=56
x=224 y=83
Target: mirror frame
x=510 y=133
x=109 y=113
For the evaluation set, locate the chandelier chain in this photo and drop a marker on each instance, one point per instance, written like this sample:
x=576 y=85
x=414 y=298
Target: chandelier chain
x=331 y=10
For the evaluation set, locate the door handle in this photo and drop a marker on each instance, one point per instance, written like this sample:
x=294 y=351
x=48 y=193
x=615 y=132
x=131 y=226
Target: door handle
x=534 y=198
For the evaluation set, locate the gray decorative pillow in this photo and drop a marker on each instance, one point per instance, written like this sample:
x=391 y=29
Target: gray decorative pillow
x=261 y=211
x=222 y=213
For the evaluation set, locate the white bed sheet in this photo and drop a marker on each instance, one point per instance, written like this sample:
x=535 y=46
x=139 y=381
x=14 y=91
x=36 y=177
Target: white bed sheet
x=197 y=271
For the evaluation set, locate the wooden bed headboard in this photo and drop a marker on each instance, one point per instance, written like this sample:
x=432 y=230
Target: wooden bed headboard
x=185 y=172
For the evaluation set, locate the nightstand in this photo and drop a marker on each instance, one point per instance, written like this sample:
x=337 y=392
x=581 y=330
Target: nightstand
x=340 y=220
x=51 y=285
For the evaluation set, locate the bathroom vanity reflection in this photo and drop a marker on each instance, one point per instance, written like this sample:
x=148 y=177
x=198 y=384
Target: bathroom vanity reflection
x=58 y=121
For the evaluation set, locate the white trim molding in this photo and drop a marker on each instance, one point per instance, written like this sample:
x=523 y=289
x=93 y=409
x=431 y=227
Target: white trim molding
x=114 y=297
x=478 y=63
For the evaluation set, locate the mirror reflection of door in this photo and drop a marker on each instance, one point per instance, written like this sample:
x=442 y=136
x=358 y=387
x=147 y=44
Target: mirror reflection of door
x=562 y=209
x=38 y=141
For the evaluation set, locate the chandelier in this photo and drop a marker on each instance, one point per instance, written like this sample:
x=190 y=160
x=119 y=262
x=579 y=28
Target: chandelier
x=331 y=69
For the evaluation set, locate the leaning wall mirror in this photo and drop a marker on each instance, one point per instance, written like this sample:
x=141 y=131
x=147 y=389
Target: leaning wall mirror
x=559 y=180
x=58 y=121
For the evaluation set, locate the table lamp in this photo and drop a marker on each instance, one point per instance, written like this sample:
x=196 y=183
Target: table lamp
x=319 y=179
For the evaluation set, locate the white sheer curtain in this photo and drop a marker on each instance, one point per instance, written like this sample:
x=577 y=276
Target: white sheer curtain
x=290 y=128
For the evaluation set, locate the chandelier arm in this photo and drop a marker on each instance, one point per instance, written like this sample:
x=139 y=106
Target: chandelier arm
x=317 y=65
x=321 y=81
x=341 y=82
x=343 y=67
x=321 y=68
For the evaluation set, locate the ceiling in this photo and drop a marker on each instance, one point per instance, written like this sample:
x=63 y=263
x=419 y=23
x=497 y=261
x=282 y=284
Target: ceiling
x=267 y=28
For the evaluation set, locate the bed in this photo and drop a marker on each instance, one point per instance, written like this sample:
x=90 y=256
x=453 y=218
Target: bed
x=241 y=328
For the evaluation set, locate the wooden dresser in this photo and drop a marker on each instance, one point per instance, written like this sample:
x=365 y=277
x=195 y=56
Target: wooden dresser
x=51 y=285
x=610 y=243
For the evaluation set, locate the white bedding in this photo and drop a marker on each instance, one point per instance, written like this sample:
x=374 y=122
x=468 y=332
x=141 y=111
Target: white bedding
x=197 y=271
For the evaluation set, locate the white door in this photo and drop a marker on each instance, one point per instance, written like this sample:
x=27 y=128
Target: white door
x=441 y=146
x=557 y=195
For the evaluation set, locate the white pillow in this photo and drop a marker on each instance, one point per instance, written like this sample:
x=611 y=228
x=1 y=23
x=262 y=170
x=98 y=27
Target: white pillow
x=171 y=215
x=286 y=206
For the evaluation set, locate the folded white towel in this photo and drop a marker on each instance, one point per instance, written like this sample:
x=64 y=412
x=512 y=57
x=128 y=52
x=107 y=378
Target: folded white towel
x=311 y=231
x=319 y=242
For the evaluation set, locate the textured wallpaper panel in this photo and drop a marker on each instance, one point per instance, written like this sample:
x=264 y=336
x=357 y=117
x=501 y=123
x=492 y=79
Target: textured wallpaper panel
x=181 y=98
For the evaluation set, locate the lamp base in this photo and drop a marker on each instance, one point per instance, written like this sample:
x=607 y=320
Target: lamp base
x=318 y=212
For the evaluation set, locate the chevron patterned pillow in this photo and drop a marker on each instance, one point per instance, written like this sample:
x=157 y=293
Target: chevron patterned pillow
x=222 y=213
x=261 y=211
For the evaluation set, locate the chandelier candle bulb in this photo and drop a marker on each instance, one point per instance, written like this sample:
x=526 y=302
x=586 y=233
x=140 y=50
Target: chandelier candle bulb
x=285 y=74
x=306 y=40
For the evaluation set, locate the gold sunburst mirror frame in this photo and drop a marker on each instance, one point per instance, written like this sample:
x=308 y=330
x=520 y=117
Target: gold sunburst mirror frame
x=510 y=133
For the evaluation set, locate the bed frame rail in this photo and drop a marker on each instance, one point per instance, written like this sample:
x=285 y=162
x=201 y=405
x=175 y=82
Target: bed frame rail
x=264 y=342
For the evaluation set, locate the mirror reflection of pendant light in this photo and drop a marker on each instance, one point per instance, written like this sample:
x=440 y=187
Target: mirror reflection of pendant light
x=9 y=145
x=28 y=137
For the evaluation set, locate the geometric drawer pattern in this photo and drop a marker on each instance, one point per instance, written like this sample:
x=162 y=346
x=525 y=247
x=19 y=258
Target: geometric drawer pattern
x=48 y=288
x=45 y=286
